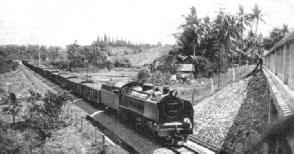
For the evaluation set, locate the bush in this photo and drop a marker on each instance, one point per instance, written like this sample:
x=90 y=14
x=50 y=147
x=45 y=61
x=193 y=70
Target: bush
x=7 y=65
x=60 y=64
x=126 y=52
x=109 y=66
x=43 y=116
x=143 y=75
x=159 y=79
x=122 y=62
x=166 y=64
x=109 y=53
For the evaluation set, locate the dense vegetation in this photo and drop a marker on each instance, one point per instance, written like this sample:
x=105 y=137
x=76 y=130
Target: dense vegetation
x=217 y=44
x=5 y=64
x=36 y=122
x=96 y=55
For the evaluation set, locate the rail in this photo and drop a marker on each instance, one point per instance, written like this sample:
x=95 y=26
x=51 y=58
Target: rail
x=207 y=145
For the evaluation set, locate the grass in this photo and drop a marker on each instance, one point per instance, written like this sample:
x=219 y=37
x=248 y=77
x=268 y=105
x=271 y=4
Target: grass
x=65 y=140
x=147 y=56
x=202 y=88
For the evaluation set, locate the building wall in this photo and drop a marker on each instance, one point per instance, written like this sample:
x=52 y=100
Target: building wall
x=280 y=63
x=291 y=67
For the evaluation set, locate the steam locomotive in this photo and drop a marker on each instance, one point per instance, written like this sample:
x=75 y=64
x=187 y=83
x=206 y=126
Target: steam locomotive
x=158 y=113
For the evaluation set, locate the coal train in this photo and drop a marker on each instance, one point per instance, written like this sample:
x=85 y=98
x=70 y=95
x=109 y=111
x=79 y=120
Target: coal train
x=158 y=113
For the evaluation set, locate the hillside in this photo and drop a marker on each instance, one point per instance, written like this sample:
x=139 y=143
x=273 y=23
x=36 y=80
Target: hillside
x=138 y=59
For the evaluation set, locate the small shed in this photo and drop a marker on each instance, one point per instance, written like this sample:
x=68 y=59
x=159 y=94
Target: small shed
x=186 y=67
x=186 y=70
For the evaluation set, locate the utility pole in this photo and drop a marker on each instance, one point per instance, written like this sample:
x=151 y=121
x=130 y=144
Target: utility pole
x=39 y=56
x=220 y=9
x=87 y=62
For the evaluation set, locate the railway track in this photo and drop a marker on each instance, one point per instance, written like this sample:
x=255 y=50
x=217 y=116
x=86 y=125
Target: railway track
x=210 y=148
x=197 y=149
x=183 y=149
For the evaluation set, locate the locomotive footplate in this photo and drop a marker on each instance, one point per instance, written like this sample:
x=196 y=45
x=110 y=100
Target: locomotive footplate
x=174 y=129
x=168 y=132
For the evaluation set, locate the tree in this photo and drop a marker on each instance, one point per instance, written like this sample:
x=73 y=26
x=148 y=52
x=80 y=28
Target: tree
x=75 y=54
x=105 y=38
x=53 y=52
x=276 y=34
x=243 y=20
x=257 y=16
x=43 y=113
x=226 y=34
x=159 y=44
x=13 y=108
x=194 y=28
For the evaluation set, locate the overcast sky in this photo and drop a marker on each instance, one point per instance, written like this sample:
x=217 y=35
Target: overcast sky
x=60 y=22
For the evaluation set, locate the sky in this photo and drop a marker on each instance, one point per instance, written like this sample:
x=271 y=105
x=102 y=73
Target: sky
x=61 y=22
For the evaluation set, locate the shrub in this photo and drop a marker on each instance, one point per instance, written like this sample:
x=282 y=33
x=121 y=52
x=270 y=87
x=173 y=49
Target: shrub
x=143 y=75
x=125 y=52
x=122 y=62
x=166 y=64
x=109 y=53
x=7 y=65
x=158 y=78
x=43 y=116
x=60 y=64
x=109 y=66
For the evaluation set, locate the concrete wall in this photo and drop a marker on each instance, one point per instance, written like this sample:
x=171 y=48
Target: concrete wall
x=281 y=63
x=285 y=64
x=272 y=62
x=291 y=67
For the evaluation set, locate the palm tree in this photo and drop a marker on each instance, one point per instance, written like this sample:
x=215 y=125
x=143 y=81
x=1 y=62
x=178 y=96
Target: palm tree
x=285 y=30
x=227 y=31
x=242 y=21
x=257 y=16
x=193 y=23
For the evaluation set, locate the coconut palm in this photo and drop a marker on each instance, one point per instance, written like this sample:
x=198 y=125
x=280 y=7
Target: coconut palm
x=227 y=32
x=243 y=20
x=194 y=28
x=257 y=16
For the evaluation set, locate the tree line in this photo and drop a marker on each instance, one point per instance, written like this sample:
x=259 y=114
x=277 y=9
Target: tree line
x=216 y=44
